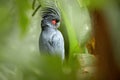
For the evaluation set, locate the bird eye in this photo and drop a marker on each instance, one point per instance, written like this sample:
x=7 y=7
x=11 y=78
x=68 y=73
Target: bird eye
x=54 y=21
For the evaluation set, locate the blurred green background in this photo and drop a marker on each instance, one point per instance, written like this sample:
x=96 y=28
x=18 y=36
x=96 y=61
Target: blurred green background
x=19 y=34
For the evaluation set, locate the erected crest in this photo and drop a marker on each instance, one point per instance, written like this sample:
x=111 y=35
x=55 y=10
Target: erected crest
x=47 y=11
x=48 y=8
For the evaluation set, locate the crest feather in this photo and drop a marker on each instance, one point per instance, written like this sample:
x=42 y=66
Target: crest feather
x=46 y=11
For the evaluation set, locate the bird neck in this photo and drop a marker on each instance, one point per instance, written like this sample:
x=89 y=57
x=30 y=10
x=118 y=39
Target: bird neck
x=48 y=28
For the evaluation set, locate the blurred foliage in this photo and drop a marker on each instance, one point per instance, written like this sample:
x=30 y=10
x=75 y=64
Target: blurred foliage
x=22 y=7
x=77 y=24
x=20 y=58
x=92 y=3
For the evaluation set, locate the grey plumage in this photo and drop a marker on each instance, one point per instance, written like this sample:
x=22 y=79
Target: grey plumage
x=51 y=41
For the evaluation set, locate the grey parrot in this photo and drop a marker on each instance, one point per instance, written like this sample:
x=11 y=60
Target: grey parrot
x=51 y=41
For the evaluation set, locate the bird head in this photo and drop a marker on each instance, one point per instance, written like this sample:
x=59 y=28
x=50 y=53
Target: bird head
x=50 y=18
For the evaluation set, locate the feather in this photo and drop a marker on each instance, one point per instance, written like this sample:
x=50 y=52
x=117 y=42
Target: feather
x=46 y=11
x=49 y=7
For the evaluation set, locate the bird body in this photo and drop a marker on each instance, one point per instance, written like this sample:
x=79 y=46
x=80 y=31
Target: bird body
x=51 y=41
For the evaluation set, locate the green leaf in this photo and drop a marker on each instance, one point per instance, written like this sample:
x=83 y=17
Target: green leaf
x=22 y=7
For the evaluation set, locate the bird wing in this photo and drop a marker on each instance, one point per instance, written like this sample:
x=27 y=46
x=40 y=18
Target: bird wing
x=52 y=44
x=57 y=43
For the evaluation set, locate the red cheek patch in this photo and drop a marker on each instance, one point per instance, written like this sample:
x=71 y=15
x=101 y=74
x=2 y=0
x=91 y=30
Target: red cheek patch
x=54 y=22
